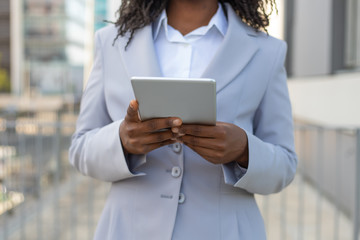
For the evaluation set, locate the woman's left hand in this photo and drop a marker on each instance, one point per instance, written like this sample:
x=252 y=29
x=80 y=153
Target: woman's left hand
x=219 y=144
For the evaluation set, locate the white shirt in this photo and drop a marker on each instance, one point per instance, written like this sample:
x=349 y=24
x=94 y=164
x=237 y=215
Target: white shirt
x=189 y=55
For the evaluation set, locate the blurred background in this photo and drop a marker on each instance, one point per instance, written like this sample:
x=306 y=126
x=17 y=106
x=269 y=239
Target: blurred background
x=46 y=51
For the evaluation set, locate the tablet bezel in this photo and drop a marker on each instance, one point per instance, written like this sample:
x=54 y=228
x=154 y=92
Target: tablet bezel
x=191 y=99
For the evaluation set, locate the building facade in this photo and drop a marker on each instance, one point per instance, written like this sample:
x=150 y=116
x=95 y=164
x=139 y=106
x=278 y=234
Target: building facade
x=101 y=14
x=4 y=46
x=48 y=39
x=323 y=61
x=112 y=7
x=323 y=36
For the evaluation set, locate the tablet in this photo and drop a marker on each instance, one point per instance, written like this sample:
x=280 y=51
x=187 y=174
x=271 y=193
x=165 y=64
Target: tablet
x=191 y=99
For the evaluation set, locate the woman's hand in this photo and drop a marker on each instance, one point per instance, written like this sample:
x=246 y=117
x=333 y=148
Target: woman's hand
x=139 y=137
x=219 y=144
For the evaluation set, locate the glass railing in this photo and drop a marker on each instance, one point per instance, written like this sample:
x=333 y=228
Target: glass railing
x=43 y=197
x=322 y=201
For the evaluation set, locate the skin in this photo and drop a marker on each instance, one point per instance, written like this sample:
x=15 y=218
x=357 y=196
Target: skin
x=187 y=15
x=219 y=144
x=141 y=137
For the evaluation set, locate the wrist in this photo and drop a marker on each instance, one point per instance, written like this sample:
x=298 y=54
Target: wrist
x=243 y=159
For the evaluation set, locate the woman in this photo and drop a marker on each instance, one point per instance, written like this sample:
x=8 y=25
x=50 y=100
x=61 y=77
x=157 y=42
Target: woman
x=190 y=181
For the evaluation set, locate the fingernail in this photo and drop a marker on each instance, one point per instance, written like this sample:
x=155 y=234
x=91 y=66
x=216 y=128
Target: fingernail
x=175 y=130
x=177 y=122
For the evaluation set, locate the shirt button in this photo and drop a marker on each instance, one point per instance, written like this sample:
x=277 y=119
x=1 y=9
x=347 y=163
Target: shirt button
x=176 y=172
x=181 y=198
x=176 y=147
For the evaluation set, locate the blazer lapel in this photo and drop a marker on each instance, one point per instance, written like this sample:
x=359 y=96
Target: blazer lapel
x=140 y=58
x=236 y=50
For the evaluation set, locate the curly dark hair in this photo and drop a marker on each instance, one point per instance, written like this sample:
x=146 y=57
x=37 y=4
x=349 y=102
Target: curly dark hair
x=136 y=14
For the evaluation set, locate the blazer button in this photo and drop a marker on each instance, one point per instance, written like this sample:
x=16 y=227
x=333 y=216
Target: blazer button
x=176 y=147
x=176 y=172
x=181 y=198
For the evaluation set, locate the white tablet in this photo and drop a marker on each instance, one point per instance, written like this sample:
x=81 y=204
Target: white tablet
x=191 y=99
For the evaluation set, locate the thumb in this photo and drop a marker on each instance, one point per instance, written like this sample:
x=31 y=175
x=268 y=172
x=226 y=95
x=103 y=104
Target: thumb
x=132 y=111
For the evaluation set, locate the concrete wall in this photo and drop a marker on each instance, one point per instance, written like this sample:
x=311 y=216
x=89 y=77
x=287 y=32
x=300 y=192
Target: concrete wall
x=277 y=21
x=327 y=149
x=16 y=26
x=311 y=47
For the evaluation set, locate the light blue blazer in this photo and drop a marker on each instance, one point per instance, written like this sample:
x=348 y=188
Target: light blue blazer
x=173 y=193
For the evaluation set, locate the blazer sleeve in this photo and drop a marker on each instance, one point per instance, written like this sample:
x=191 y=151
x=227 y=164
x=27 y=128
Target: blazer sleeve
x=272 y=157
x=96 y=148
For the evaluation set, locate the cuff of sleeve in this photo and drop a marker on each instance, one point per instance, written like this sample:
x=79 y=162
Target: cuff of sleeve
x=107 y=154
x=134 y=161
x=258 y=151
x=233 y=172
x=239 y=171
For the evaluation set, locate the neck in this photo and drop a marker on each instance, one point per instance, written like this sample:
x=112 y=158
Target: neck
x=187 y=15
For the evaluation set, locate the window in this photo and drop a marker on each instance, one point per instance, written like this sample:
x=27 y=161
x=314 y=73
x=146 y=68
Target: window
x=352 y=35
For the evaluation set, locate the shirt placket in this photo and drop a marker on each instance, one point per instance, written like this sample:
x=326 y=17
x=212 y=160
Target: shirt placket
x=186 y=53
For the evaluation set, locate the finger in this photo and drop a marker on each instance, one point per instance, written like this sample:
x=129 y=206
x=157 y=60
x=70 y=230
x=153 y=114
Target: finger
x=158 y=137
x=157 y=124
x=153 y=146
x=132 y=112
x=208 y=143
x=202 y=131
x=208 y=154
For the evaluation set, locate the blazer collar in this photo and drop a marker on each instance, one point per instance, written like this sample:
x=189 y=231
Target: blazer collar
x=140 y=58
x=236 y=50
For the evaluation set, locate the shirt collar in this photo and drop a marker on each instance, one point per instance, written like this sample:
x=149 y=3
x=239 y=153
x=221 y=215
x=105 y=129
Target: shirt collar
x=218 y=20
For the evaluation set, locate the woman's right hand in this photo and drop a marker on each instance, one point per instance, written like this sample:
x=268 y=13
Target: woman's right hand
x=139 y=137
